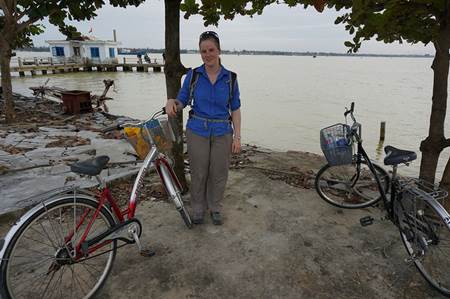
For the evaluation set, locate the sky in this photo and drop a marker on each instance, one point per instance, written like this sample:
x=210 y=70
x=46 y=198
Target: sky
x=279 y=28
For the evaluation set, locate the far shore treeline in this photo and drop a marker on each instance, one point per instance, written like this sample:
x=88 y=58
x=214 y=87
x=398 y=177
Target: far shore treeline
x=135 y=51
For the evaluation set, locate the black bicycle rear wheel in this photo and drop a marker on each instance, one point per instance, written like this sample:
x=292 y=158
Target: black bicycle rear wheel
x=351 y=186
x=426 y=236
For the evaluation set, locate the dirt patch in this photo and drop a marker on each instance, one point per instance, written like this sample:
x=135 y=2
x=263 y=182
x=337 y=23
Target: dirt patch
x=151 y=190
x=68 y=141
x=13 y=150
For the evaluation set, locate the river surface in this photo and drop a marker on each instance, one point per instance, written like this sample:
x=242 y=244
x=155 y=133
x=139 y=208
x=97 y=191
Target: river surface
x=286 y=100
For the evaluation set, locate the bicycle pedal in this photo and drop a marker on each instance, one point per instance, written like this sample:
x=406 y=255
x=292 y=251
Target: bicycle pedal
x=147 y=252
x=366 y=220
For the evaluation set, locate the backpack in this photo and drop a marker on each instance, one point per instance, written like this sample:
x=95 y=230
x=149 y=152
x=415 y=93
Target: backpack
x=193 y=82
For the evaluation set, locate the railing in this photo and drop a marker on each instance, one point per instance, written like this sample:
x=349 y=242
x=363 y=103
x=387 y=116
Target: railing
x=141 y=60
x=37 y=61
x=55 y=60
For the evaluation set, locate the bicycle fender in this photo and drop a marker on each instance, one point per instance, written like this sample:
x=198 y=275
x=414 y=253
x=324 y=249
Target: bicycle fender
x=440 y=210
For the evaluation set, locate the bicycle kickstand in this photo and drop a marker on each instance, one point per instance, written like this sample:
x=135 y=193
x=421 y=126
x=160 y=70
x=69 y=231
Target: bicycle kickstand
x=147 y=252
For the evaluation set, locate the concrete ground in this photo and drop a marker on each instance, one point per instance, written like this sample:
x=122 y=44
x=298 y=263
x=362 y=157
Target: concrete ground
x=278 y=241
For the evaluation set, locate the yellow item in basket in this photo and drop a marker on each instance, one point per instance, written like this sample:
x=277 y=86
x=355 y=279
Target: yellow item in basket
x=135 y=138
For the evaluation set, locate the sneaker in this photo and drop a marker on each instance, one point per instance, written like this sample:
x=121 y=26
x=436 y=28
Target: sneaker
x=197 y=220
x=216 y=218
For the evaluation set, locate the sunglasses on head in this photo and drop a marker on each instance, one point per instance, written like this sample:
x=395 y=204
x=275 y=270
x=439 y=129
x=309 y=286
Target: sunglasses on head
x=208 y=34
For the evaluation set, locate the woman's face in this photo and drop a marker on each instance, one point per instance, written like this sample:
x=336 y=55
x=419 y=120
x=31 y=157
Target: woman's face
x=209 y=52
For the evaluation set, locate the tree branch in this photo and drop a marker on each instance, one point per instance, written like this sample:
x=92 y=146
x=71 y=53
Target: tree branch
x=446 y=143
x=5 y=8
x=26 y=23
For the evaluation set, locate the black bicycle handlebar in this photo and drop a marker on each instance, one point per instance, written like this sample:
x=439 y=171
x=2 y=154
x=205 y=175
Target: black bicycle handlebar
x=352 y=108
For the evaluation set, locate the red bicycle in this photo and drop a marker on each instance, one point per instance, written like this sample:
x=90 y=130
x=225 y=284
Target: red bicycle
x=65 y=246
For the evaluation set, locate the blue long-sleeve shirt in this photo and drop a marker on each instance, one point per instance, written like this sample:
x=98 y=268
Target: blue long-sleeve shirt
x=211 y=101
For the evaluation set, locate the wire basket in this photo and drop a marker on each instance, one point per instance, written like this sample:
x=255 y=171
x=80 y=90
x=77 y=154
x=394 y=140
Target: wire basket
x=335 y=144
x=160 y=131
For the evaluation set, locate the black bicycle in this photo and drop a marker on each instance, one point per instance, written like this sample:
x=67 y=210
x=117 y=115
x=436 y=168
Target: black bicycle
x=416 y=207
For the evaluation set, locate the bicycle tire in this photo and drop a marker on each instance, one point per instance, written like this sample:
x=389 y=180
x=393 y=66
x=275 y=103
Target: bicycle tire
x=427 y=242
x=186 y=218
x=41 y=230
x=341 y=187
x=175 y=194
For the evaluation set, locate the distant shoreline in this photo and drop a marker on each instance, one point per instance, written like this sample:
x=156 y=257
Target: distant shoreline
x=136 y=51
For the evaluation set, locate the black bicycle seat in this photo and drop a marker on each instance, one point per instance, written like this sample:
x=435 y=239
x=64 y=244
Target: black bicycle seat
x=395 y=156
x=90 y=167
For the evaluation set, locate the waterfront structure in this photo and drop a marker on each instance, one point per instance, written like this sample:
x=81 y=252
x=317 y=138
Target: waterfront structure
x=86 y=50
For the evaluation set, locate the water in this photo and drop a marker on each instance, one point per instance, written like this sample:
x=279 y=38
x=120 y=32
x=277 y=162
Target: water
x=286 y=100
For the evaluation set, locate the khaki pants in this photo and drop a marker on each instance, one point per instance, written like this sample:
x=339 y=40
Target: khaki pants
x=209 y=162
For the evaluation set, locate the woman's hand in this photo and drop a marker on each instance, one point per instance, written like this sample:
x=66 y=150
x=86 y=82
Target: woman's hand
x=171 y=107
x=236 y=145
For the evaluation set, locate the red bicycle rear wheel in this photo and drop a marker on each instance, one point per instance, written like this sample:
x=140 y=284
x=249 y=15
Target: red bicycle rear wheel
x=39 y=260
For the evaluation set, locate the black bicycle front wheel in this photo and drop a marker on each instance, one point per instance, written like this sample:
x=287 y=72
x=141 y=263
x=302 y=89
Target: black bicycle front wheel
x=351 y=186
x=426 y=237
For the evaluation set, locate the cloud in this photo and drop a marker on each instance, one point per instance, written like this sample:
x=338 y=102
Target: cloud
x=278 y=28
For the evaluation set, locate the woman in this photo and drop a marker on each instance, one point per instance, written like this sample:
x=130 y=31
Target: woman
x=213 y=129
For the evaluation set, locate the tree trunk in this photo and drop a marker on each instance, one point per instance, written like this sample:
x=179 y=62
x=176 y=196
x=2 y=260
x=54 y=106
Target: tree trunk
x=433 y=145
x=5 y=60
x=174 y=70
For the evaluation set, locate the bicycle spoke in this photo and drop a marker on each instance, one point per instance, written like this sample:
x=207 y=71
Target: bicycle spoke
x=47 y=285
x=32 y=265
x=61 y=239
x=48 y=236
x=39 y=241
x=89 y=271
x=75 y=277
x=38 y=266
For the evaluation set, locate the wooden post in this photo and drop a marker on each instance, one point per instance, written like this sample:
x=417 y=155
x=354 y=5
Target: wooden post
x=19 y=60
x=382 y=130
x=51 y=60
x=124 y=60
